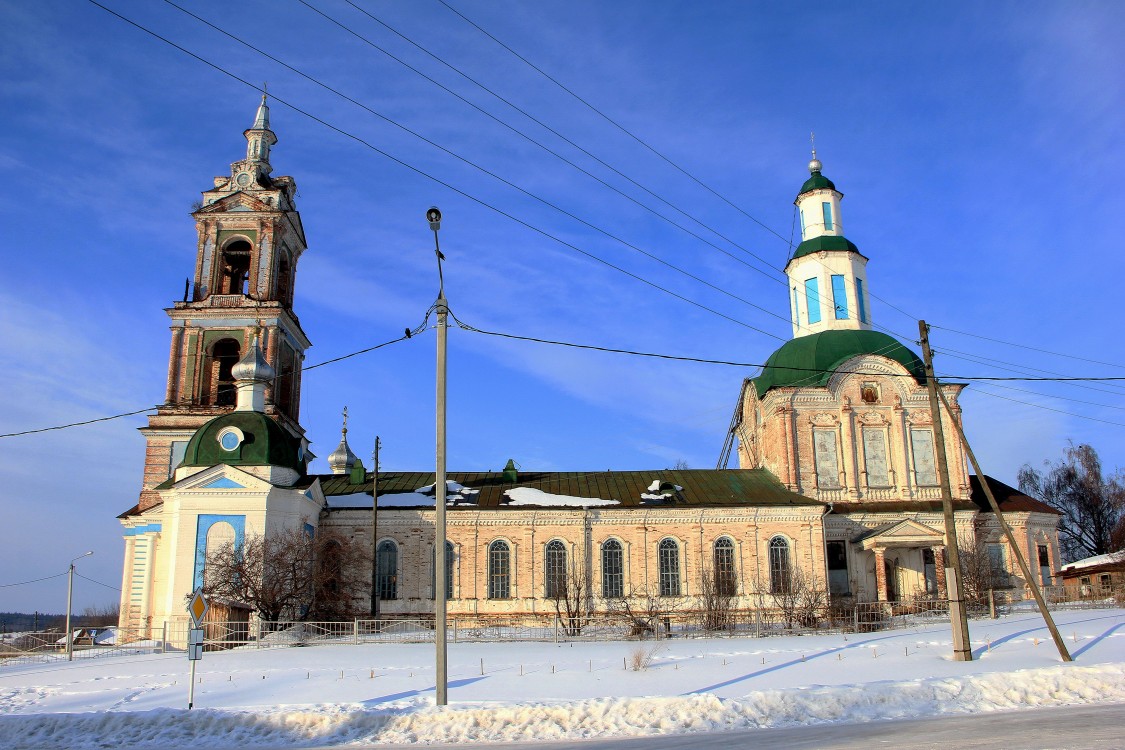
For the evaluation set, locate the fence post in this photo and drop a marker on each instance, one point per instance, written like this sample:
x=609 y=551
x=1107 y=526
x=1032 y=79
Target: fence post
x=992 y=604
x=454 y=631
x=855 y=611
x=556 y=628
x=164 y=638
x=355 y=631
x=258 y=628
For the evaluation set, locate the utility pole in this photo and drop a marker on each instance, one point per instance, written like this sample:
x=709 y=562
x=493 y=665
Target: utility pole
x=69 y=604
x=442 y=308
x=962 y=650
x=1060 y=644
x=375 y=533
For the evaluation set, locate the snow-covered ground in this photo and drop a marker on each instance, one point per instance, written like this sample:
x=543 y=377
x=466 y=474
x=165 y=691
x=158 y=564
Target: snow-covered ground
x=521 y=691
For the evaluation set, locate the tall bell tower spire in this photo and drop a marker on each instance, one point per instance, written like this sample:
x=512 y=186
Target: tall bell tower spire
x=827 y=274
x=239 y=303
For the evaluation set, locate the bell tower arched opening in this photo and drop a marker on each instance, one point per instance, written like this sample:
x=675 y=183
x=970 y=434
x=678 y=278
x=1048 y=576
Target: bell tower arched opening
x=220 y=389
x=234 y=268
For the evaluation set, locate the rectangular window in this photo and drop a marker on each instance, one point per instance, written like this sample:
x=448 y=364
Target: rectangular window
x=827 y=466
x=802 y=212
x=860 y=305
x=179 y=447
x=839 y=297
x=998 y=570
x=812 y=300
x=796 y=309
x=875 y=457
x=827 y=207
x=1044 y=565
x=922 y=445
x=838 y=584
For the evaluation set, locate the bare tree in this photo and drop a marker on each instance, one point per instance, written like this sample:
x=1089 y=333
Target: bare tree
x=801 y=600
x=1093 y=505
x=569 y=592
x=979 y=574
x=717 y=592
x=100 y=617
x=642 y=609
x=289 y=574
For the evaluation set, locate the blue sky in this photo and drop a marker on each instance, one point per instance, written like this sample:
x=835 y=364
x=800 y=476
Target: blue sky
x=978 y=147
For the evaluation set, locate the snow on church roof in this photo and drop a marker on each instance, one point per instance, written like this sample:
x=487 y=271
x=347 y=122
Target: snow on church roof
x=532 y=496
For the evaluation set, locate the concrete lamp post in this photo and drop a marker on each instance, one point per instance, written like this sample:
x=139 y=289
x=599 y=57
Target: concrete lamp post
x=69 y=601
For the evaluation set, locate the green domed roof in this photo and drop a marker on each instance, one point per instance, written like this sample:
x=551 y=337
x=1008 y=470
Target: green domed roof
x=264 y=443
x=812 y=360
x=828 y=242
x=816 y=181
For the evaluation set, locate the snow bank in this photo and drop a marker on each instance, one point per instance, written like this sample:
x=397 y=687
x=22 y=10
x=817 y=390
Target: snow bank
x=417 y=721
x=532 y=496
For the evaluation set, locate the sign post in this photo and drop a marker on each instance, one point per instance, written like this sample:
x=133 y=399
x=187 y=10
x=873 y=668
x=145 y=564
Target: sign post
x=197 y=609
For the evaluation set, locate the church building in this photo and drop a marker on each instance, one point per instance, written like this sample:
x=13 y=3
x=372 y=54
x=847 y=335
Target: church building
x=836 y=484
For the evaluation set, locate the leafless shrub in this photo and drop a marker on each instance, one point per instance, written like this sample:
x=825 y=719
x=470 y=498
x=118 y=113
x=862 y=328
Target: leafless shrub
x=290 y=575
x=643 y=610
x=640 y=658
x=716 y=599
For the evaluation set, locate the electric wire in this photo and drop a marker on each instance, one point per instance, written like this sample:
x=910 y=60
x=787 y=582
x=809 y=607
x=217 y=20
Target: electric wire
x=37 y=580
x=569 y=141
x=645 y=144
x=91 y=580
x=1025 y=346
x=463 y=193
x=986 y=392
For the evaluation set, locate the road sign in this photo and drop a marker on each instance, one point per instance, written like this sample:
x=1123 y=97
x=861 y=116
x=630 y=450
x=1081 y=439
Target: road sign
x=198 y=607
x=195 y=644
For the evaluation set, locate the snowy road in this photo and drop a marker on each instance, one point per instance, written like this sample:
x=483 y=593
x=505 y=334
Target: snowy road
x=1070 y=728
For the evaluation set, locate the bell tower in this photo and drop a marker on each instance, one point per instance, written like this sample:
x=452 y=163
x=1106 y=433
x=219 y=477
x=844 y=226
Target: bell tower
x=249 y=241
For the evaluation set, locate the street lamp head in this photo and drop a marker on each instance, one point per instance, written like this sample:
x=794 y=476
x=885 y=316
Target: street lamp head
x=85 y=554
x=434 y=217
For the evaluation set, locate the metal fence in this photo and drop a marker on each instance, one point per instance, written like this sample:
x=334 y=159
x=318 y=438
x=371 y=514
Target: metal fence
x=818 y=617
x=88 y=643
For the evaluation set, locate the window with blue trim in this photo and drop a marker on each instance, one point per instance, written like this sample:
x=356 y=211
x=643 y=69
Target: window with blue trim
x=812 y=300
x=860 y=306
x=827 y=208
x=839 y=297
x=802 y=212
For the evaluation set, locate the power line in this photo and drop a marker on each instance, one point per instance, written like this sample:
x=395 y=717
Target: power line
x=647 y=146
x=460 y=192
x=1030 y=348
x=1050 y=408
x=91 y=580
x=78 y=424
x=555 y=132
x=24 y=583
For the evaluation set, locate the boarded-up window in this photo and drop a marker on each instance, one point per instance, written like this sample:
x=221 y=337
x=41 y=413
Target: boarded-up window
x=827 y=466
x=875 y=457
x=925 y=470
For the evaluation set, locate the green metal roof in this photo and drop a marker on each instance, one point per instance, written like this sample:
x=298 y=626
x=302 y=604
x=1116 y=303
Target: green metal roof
x=811 y=360
x=700 y=487
x=826 y=242
x=816 y=181
x=265 y=443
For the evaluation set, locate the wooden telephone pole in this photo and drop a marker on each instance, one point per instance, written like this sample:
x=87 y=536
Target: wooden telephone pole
x=1024 y=568
x=962 y=650
x=375 y=532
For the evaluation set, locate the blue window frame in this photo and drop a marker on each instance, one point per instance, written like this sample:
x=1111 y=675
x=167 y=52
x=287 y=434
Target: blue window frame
x=827 y=208
x=812 y=300
x=861 y=308
x=839 y=297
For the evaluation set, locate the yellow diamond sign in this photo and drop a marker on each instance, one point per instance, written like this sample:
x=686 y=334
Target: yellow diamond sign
x=198 y=607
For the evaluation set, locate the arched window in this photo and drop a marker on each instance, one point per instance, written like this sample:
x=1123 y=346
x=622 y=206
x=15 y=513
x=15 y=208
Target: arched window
x=284 y=281
x=726 y=583
x=235 y=268
x=669 y=557
x=386 y=582
x=499 y=570
x=780 y=573
x=613 y=570
x=450 y=554
x=224 y=356
x=554 y=567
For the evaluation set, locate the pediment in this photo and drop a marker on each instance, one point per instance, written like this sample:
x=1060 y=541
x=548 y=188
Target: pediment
x=222 y=478
x=237 y=203
x=902 y=533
